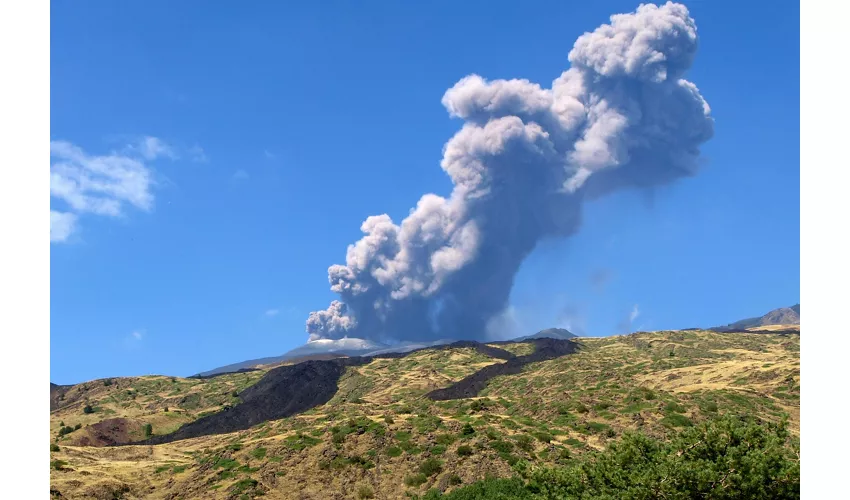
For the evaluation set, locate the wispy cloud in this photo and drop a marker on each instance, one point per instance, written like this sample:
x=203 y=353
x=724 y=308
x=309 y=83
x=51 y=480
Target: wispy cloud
x=269 y=155
x=198 y=155
x=627 y=324
x=133 y=340
x=634 y=314
x=151 y=148
x=61 y=225
x=272 y=312
x=102 y=185
x=240 y=175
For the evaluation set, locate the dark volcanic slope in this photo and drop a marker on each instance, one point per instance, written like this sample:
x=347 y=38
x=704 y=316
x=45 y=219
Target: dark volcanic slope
x=470 y=386
x=282 y=392
x=493 y=352
x=57 y=393
x=292 y=389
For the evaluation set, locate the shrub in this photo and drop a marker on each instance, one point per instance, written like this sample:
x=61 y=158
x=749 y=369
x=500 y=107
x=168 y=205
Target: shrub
x=438 y=449
x=394 y=451
x=242 y=485
x=107 y=382
x=467 y=430
x=490 y=488
x=58 y=464
x=445 y=439
x=65 y=430
x=454 y=480
x=676 y=420
x=730 y=457
x=431 y=466
x=88 y=409
x=477 y=405
x=674 y=407
x=78 y=426
x=523 y=442
x=259 y=453
x=165 y=409
x=544 y=437
x=388 y=420
x=54 y=447
x=415 y=480
x=464 y=451
x=365 y=491
x=502 y=446
x=148 y=429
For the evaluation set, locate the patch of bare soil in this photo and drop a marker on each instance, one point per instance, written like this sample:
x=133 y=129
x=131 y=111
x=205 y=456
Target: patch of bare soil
x=109 y=432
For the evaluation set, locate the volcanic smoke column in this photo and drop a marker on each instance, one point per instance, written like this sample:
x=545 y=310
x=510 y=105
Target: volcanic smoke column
x=526 y=157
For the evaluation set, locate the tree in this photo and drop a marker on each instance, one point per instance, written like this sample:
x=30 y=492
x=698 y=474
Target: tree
x=732 y=457
x=88 y=409
x=148 y=428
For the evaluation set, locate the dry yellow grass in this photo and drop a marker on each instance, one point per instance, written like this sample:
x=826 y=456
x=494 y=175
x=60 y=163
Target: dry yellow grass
x=650 y=381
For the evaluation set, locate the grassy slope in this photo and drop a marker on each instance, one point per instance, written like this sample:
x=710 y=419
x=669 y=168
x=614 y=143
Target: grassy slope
x=378 y=431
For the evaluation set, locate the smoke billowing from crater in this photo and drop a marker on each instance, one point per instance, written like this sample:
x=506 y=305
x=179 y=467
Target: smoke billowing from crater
x=525 y=159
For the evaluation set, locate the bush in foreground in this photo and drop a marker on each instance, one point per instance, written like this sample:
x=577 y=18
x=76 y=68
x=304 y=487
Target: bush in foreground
x=728 y=458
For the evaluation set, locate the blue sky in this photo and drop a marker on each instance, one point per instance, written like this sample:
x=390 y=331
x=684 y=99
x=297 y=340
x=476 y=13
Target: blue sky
x=280 y=128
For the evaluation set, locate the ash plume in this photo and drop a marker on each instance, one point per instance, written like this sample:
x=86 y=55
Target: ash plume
x=621 y=116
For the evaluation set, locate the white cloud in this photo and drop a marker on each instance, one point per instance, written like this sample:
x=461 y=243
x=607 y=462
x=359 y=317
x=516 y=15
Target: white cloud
x=101 y=184
x=627 y=324
x=634 y=314
x=272 y=312
x=137 y=335
x=197 y=154
x=152 y=148
x=240 y=175
x=61 y=225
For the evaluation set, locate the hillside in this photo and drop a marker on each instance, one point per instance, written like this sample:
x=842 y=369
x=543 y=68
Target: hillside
x=776 y=317
x=401 y=424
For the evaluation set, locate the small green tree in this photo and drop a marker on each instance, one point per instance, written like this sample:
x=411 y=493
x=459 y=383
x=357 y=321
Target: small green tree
x=88 y=409
x=148 y=430
x=464 y=450
x=431 y=466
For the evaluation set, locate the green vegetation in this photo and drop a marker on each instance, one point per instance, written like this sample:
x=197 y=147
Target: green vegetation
x=148 y=430
x=567 y=416
x=415 y=480
x=301 y=441
x=87 y=409
x=464 y=451
x=431 y=466
x=54 y=447
x=365 y=491
x=726 y=458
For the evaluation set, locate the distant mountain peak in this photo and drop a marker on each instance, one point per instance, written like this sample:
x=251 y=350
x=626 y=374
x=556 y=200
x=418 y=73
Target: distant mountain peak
x=780 y=316
x=549 y=333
